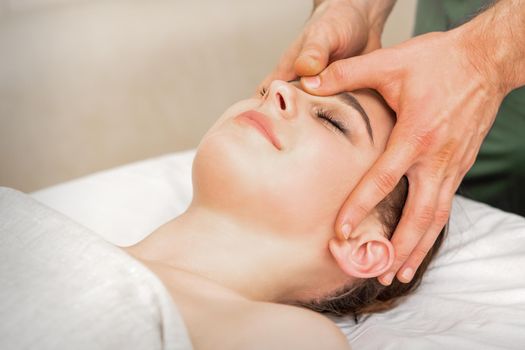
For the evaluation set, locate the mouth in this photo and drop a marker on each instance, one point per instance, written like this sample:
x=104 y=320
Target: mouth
x=262 y=123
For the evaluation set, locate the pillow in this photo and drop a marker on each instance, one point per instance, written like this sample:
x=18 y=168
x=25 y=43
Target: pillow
x=472 y=296
x=126 y=203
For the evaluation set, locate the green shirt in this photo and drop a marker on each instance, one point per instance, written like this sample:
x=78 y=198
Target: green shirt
x=498 y=175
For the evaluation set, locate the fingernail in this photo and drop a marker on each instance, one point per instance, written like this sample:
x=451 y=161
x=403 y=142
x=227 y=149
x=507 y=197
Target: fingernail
x=389 y=278
x=346 y=229
x=312 y=82
x=407 y=274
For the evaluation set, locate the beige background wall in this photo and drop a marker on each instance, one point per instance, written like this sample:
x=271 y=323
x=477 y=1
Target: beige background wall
x=88 y=85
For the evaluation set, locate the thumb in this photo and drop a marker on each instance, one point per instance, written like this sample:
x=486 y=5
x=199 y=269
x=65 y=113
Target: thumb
x=347 y=75
x=313 y=57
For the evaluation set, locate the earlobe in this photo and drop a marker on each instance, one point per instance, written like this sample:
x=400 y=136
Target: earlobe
x=363 y=257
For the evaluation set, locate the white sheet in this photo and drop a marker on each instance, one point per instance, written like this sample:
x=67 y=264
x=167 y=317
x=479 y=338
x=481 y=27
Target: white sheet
x=473 y=295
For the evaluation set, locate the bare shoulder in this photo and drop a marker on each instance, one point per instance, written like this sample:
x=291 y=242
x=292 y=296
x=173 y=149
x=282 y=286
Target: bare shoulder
x=277 y=326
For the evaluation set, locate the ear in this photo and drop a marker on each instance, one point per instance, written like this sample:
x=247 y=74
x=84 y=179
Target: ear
x=364 y=256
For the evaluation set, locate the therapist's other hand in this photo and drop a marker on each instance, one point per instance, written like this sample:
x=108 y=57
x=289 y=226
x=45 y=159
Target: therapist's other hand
x=446 y=98
x=336 y=29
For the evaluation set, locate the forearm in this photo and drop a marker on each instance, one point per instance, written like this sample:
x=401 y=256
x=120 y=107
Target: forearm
x=496 y=43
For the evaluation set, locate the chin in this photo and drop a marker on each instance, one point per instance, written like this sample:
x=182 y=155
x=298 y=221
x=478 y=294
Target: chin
x=237 y=174
x=230 y=167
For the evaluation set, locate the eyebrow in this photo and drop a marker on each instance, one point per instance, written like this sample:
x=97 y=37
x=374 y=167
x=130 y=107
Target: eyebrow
x=351 y=101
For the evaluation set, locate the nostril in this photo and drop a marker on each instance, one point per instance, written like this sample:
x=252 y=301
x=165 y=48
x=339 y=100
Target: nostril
x=281 y=101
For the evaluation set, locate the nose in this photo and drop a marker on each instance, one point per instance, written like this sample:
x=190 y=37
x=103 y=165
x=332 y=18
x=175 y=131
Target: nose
x=284 y=96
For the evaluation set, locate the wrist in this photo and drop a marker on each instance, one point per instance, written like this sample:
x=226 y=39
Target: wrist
x=376 y=12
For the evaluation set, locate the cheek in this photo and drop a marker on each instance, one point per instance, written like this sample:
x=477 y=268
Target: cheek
x=237 y=171
x=230 y=113
x=326 y=168
x=221 y=153
x=299 y=190
x=319 y=175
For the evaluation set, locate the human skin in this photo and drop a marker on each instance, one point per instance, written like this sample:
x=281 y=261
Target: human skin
x=446 y=89
x=335 y=30
x=261 y=220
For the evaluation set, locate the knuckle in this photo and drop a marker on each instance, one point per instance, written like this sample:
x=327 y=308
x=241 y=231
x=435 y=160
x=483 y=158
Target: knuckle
x=471 y=159
x=361 y=209
x=311 y=41
x=423 y=140
x=338 y=70
x=419 y=254
x=444 y=156
x=385 y=182
x=402 y=256
x=424 y=217
x=441 y=216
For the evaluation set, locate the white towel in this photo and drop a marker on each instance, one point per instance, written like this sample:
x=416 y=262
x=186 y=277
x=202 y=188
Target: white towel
x=64 y=287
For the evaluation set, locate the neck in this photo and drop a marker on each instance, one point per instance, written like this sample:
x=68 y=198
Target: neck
x=249 y=261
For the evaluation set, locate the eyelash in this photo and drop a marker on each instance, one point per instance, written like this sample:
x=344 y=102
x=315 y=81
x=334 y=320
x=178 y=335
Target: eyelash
x=328 y=118
x=321 y=114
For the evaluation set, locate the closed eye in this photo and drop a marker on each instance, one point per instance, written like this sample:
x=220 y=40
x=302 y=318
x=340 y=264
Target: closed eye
x=329 y=120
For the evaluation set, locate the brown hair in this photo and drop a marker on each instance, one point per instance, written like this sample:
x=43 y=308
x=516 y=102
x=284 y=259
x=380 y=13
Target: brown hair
x=368 y=295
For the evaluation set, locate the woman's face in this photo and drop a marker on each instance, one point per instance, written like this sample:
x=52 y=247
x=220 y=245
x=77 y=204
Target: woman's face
x=279 y=162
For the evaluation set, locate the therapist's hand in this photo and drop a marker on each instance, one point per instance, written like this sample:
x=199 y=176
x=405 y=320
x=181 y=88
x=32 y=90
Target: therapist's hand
x=446 y=95
x=337 y=29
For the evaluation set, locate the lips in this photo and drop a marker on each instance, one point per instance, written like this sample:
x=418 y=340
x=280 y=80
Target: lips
x=262 y=123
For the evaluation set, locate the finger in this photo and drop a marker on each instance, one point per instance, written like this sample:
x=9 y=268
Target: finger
x=366 y=71
x=376 y=184
x=418 y=215
x=314 y=55
x=285 y=68
x=407 y=272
